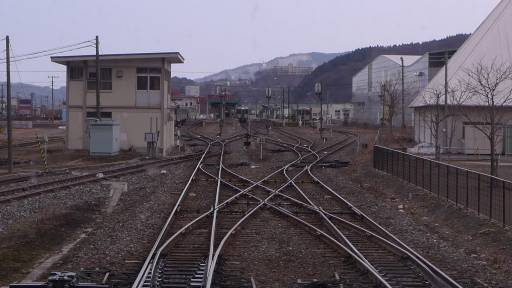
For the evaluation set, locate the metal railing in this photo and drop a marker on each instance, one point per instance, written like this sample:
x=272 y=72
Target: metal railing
x=485 y=194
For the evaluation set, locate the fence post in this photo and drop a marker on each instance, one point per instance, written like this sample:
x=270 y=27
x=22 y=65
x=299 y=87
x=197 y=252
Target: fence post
x=403 y=166
x=416 y=171
x=374 y=156
x=457 y=187
x=478 y=199
x=423 y=173
x=490 y=196
x=387 y=161
x=467 y=189
x=392 y=162
x=430 y=176
x=409 y=164
x=447 y=182
x=438 y=180
x=503 y=204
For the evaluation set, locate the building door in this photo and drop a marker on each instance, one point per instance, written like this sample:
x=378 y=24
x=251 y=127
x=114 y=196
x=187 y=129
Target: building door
x=148 y=87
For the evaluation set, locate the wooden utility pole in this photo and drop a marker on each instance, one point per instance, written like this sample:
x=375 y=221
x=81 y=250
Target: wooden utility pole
x=98 y=111
x=9 y=124
x=403 y=93
x=52 y=116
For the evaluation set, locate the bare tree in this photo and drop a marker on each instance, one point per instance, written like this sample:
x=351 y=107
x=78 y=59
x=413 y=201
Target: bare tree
x=483 y=96
x=390 y=98
x=434 y=115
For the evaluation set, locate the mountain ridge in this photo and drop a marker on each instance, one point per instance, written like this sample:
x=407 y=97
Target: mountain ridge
x=247 y=71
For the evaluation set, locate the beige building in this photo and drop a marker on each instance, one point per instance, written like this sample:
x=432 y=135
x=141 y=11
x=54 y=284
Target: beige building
x=134 y=93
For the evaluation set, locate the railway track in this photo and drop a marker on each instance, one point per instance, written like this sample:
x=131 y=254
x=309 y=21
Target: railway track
x=221 y=214
x=33 y=189
x=33 y=143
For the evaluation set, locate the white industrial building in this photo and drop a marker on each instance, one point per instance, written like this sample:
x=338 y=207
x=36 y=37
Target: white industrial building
x=367 y=84
x=490 y=43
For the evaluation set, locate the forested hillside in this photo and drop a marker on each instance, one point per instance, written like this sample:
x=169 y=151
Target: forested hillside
x=336 y=75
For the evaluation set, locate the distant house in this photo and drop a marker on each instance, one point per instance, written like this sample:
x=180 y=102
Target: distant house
x=332 y=112
x=367 y=84
x=134 y=93
x=490 y=43
x=188 y=106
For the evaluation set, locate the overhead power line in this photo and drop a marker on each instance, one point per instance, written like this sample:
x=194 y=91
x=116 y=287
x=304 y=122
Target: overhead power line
x=49 y=50
x=37 y=71
x=49 y=54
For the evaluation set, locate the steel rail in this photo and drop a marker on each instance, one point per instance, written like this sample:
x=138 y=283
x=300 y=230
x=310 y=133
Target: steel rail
x=229 y=200
x=139 y=281
x=30 y=190
x=427 y=272
x=216 y=203
x=367 y=267
x=436 y=275
x=155 y=254
x=363 y=231
x=447 y=279
x=432 y=273
x=321 y=214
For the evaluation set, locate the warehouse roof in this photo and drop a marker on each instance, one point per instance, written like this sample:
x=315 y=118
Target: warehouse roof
x=489 y=44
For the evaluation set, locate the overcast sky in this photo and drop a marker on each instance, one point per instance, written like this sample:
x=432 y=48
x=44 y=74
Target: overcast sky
x=214 y=35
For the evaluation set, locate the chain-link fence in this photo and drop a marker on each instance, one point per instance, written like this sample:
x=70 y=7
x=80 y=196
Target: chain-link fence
x=482 y=193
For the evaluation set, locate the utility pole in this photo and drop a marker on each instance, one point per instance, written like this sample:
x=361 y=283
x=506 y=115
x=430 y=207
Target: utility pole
x=268 y=95
x=288 y=108
x=328 y=114
x=98 y=112
x=282 y=104
x=446 y=99
x=2 y=103
x=403 y=93
x=318 y=92
x=53 y=107
x=9 y=124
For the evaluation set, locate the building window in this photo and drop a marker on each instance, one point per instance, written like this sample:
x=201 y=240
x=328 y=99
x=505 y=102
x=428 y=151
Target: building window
x=104 y=115
x=105 y=79
x=148 y=79
x=142 y=83
x=75 y=72
x=337 y=114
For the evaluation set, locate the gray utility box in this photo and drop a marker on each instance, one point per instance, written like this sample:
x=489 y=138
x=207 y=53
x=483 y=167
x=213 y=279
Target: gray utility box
x=104 y=138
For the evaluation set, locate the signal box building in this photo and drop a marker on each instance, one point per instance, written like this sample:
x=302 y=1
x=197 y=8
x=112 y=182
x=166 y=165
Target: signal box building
x=134 y=93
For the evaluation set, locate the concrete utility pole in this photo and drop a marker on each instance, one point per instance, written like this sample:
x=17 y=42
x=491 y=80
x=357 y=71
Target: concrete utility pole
x=52 y=117
x=288 y=102
x=445 y=99
x=2 y=103
x=282 y=104
x=9 y=124
x=403 y=93
x=318 y=92
x=268 y=95
x=98 y=112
